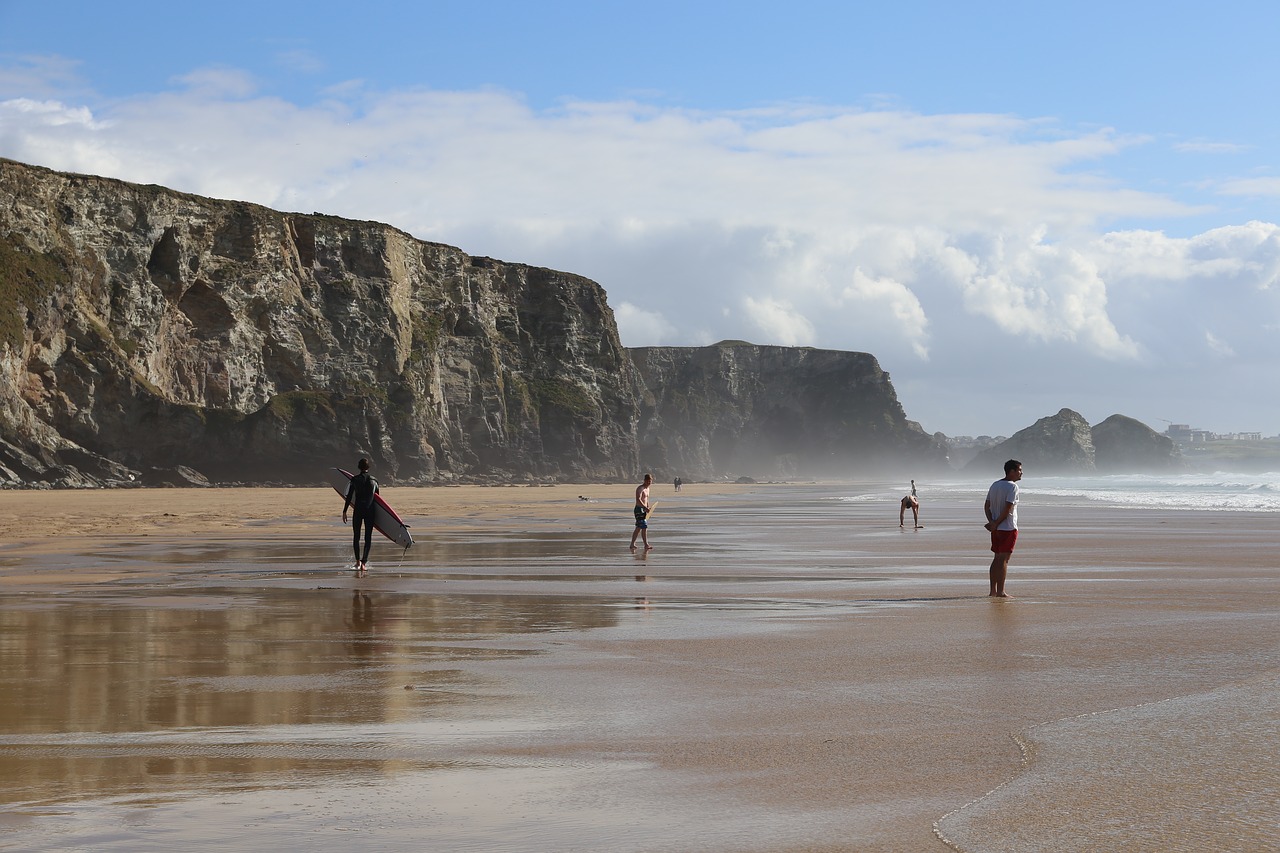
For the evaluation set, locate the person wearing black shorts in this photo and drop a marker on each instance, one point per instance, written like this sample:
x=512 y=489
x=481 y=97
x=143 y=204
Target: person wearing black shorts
x=642 y=509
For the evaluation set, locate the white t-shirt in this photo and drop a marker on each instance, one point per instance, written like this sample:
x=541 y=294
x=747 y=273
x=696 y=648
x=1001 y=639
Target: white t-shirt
x=1001 y=493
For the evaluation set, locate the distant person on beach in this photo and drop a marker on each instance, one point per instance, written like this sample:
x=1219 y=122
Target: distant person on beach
x=909 y=502
x=642 y=514
x=1001 y=508
x=677 y=484
x=360 y=494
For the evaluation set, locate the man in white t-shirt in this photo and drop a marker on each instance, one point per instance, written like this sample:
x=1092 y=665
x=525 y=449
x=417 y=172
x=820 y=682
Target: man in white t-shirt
x=1001 y=508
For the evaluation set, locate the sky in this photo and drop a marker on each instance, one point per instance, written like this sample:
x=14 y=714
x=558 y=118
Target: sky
x=1016 y=207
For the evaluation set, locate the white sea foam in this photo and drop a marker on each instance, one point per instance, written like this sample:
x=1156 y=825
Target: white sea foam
x=1217 y=491
x=1257 y=492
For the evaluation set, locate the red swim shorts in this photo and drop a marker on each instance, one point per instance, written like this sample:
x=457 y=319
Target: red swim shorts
x=1002 y=541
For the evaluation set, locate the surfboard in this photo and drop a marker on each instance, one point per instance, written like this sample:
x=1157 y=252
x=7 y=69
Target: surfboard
x=385 y=519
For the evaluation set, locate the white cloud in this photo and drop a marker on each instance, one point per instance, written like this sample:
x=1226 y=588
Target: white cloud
x=38 y=77
x=218 y=82
x=1251 y=187
x=1218 y=346
x=901 y=308
x=641 y=328
x=1206 y=147
x=779 y=322
x=1051 y=293
x=943 y=244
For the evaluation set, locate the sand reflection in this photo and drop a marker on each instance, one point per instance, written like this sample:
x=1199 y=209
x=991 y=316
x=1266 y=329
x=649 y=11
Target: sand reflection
x=207 y=689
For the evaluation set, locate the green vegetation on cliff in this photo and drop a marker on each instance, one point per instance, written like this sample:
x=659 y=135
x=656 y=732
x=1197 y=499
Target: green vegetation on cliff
x=287 y=405
x=27 y=278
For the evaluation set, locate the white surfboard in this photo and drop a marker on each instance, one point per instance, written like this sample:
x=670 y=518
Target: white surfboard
x=385 y=519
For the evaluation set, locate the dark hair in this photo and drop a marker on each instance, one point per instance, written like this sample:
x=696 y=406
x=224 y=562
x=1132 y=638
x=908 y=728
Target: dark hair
x=1011 y=464
x=364 y=464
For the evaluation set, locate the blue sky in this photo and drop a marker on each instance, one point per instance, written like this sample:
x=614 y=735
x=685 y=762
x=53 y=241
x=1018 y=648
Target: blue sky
x=1016 y=208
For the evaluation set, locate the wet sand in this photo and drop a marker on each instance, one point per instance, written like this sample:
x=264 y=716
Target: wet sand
x=786 y=671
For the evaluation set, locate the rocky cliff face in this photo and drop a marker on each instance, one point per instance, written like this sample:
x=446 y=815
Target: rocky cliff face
x=762 y=411
x=142 y=328
x=1065 y=444
x=155 y=337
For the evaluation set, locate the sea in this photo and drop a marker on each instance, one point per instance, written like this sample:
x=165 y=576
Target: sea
x=1221 y=490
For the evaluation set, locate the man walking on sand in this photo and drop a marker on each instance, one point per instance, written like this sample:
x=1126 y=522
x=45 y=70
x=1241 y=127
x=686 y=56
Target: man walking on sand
x=642 y=514
x=1002 y=520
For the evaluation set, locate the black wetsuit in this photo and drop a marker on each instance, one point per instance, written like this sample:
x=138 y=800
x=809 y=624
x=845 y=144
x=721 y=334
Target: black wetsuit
x=360 y=498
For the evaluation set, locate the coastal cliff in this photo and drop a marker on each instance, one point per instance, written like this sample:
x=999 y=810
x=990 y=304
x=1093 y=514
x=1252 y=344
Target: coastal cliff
x=154 y=337
x=765 y=411
x=148 y=329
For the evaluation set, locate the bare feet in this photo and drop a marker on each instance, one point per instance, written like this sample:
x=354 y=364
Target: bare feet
x=648 y=547
x=633 y=549
x=1000 y=595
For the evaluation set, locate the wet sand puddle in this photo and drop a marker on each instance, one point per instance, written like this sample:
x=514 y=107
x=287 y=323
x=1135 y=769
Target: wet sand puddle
x=770 y=677
x=132 y=721
x=264 y=679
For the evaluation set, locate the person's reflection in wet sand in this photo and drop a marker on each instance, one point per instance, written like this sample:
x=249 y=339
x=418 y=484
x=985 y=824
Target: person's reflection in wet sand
x=361 y=624
x=642 y=601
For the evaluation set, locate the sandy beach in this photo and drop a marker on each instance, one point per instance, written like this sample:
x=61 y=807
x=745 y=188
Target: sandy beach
x=787 y=670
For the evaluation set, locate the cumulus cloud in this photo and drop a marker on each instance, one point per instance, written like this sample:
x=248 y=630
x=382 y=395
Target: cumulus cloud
x=1052 y=293
x=944 y=244
x=778 y=321
x=642 y=328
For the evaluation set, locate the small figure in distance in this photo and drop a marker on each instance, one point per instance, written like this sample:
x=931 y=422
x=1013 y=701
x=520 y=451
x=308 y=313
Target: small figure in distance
x=1001 y=508
x=642 y=514
x=360 y=494
x=910 y=502
x=677 y=484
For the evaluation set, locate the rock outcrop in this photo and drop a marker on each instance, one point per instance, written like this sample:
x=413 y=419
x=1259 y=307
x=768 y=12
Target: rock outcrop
x=1122 y=444
x=143 y=328
x=1065 y=444
x=1058 y=443
x=736 y=409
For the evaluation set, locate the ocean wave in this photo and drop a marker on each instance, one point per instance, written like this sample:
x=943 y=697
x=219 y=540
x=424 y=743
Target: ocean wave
x=1221 y=490
x=1216 y=491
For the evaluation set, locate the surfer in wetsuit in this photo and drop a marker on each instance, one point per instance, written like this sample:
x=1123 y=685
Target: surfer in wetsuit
x=360 y=499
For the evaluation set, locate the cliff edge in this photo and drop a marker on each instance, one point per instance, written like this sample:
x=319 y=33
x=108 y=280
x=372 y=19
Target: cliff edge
x=150 y=329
